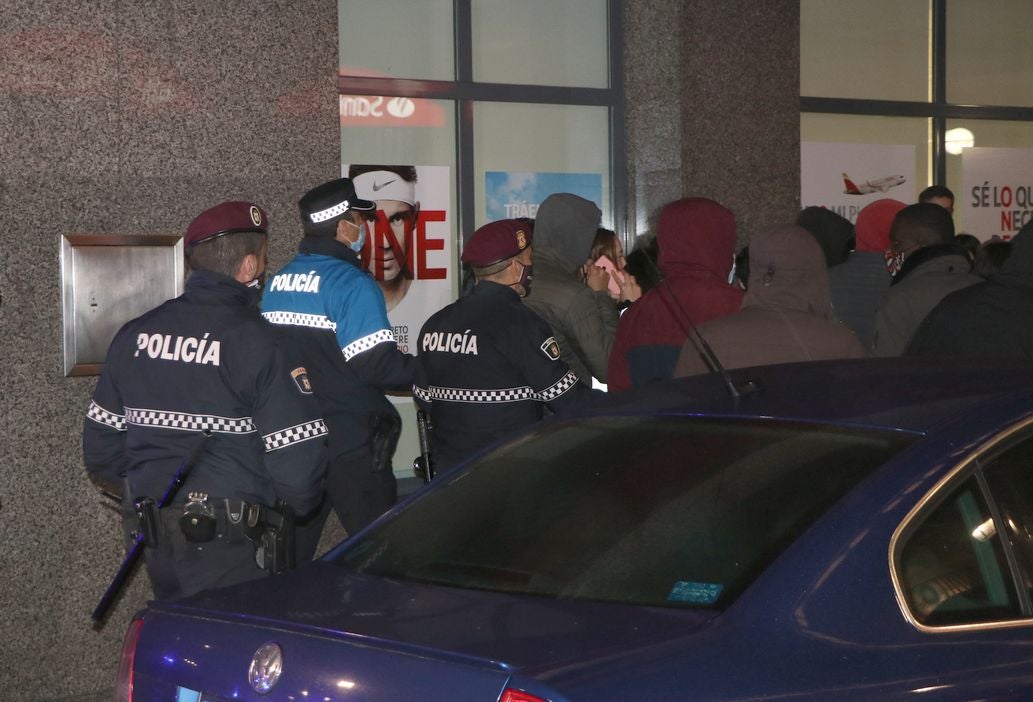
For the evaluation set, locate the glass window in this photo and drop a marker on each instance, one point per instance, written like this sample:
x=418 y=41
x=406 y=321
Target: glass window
x=878 y=49
x=570 y=46
x=665 y=511
x=989 y=52
x=527 y=141
x=387 y=140
x=427 y=138
x=952 y=567
x=1010 y=478
x=396 y=39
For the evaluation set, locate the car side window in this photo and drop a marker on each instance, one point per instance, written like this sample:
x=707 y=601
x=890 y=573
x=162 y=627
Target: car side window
x=1010 y=478
x=952 y=567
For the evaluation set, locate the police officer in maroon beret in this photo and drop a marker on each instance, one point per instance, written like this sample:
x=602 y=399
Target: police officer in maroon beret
x=491 y=366
x=204 y=374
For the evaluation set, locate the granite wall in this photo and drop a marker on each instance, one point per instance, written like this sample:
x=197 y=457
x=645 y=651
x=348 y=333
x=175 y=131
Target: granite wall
x=712 y=108
x=122 y=117
x=131 y=117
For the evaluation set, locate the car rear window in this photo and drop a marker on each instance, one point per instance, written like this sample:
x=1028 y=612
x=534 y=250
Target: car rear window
x=667 y=511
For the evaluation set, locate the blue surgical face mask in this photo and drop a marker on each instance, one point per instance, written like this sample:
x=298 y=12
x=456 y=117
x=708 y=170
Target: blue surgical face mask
x=357 y=245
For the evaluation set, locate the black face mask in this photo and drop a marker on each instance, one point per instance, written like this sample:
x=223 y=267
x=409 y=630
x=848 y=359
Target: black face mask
x=525 y=279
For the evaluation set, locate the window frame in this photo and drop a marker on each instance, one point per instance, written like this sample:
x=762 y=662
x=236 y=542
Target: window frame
x=938 y=110
x=464 y=91
x=972 y=466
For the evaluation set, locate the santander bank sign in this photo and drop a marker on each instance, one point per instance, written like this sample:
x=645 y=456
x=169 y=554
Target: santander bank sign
x=380 y=111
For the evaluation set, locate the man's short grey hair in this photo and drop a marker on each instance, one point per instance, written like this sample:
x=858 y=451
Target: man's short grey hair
x=224 y=254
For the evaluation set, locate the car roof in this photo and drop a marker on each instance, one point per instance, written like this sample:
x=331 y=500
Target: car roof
x=907 y=394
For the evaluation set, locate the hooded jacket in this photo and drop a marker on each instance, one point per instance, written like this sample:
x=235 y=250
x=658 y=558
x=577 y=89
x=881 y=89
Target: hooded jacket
x=859 y=283
x=929 y=274
x=786 y=315
x=582 y=320
x=834 y=233
x=696 y=239
x=987 y=320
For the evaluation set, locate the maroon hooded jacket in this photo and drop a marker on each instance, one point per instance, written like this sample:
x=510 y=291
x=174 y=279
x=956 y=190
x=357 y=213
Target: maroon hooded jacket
x=696 y=238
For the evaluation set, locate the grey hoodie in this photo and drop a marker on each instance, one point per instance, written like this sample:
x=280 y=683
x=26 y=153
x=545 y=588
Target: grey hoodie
x=583 y=321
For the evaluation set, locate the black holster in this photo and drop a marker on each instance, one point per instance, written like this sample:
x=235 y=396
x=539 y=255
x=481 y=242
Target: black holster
x=386 y=428
x=271 y=529
x=142 y=516
x=423 y=465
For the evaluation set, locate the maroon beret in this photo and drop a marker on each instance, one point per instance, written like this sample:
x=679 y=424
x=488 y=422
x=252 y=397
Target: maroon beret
x=497 y=241
x=226 y=218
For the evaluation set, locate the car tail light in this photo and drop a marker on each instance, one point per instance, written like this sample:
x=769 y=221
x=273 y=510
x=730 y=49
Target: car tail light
x=124 y=682
x=511 y=695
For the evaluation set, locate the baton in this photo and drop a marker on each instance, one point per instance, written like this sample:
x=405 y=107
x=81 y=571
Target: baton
x=140 y=535
x=119 y=581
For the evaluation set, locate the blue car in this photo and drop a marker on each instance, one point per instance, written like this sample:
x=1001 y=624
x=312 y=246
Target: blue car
x=855 y=530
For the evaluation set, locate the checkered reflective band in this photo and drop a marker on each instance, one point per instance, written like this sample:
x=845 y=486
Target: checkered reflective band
x=298 y=319
x=294 y=435
x=366 y=343
x=330 y=212
x=103 y=416
x=434 y=392
x=189 y=422
x=565 y=383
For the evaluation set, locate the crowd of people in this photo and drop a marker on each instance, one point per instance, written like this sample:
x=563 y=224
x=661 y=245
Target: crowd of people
x=274 y=399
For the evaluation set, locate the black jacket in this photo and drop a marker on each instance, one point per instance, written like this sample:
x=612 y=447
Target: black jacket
x=207 y=360
x=491 y=366
x=989 y=319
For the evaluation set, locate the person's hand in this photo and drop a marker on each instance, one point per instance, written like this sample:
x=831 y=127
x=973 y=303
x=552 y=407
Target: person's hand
x=596 y=278
x=630 y=289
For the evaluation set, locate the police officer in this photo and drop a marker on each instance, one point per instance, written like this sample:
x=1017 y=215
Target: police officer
x=490 y=364
x=207 y=364
x=338 y=320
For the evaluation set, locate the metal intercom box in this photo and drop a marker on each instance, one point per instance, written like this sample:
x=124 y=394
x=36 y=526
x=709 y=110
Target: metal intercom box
x=108 y=279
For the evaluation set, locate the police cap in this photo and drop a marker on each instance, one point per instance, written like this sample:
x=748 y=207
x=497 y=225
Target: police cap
x=325 y=204
x=497 y=241
x=233 y=217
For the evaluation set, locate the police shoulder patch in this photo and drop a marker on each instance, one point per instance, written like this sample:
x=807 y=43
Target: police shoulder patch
x=300 y=376
x=551 y=349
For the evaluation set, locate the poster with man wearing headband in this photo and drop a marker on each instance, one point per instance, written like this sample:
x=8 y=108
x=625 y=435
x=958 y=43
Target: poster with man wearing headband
x=408 y=249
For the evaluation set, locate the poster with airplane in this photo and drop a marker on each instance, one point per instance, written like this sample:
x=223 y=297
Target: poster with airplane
x=878 y=185
x=845 y=177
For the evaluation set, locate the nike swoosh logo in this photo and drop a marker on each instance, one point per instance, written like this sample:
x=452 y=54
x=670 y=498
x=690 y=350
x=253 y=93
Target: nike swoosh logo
x=379 y=186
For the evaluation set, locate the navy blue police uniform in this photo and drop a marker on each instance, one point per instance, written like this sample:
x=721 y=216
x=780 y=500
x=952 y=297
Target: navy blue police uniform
x=490 y=365
x=338 y=322
x=206 y=362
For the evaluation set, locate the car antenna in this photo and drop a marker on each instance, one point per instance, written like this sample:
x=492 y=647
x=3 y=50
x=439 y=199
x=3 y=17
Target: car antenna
x=692 y=333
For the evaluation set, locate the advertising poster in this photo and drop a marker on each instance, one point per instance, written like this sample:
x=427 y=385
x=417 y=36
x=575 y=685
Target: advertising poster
x=998 y=191
x=511 y=195
x=408 y=248
x=845 y=177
